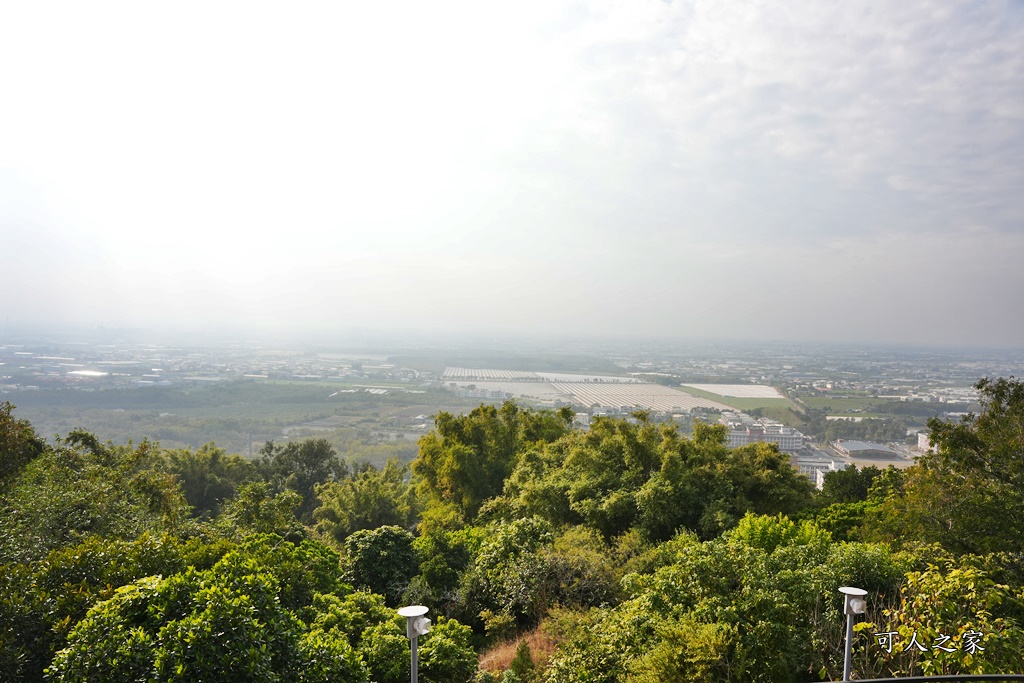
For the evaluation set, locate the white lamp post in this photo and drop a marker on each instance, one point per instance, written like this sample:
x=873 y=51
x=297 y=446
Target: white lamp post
x=853 y=603
x=415 y=626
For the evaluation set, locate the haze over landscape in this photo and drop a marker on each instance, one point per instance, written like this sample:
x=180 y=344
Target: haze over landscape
x=835 y=172
x=617 y=341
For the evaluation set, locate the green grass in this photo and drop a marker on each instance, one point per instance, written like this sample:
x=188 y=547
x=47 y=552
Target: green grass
x=866 y=416
x=786 y=415
x=840 y=406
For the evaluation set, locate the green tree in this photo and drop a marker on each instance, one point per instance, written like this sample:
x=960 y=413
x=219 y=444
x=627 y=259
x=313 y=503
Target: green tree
x=757 y=604
x=304 y=569
x=844 y=520
x=465 y=460
x=848 y=485
x=19 y=444
x=619 y=475
x=381 y=560
x=539 y=485
x=256 y=509
x=969 y=495
x=385 y=649
x=370 y=499
x=445 y=548
x=301 y=466
x=83 y=488
x=42 y=601
x=765 y=482
x=446 y=654
x=605 y=467
x=175 y=629
x=581 y=569
x=329 y=657
x=208 y=476
x=522 y=668
x=951 y=604
x=238 y=619
x=509 y=577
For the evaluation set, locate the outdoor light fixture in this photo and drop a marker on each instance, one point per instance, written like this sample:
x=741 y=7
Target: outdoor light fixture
x=853 y=603
x=416 y=625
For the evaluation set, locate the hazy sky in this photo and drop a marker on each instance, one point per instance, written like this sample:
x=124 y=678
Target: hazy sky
x=729 y=169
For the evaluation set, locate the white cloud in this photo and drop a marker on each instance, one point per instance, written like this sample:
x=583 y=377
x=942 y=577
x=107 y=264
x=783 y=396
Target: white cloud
x=235 y=161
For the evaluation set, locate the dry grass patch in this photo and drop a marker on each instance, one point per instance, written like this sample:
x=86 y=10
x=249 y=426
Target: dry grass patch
x=497 y=658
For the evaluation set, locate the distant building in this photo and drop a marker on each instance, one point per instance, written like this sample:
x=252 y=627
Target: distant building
x=863 y=449
x=924 y=442
x=474 y=392
x=744 y=430
x=815 y=467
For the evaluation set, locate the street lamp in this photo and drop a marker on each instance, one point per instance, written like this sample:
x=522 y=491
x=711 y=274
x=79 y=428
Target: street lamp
x=853 y=603
x=415 y=626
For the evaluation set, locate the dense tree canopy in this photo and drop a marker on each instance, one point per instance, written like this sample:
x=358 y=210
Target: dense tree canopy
x=969 y=495
x=82 y=488
x=369 y=499
x=301 y=466
x=619 y=475
x=849 y=485
x=19 y=444
x=208 y=476
x=466 y=459
x=256 y=509
x=644 y=554
x=381 y=560
x=757 y=604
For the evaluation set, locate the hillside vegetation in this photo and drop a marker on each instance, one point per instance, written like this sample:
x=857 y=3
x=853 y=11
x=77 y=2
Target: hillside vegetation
x=624 y=553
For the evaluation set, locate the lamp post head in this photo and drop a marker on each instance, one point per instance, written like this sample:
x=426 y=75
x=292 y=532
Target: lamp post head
x=853 y=602
x=415 y=623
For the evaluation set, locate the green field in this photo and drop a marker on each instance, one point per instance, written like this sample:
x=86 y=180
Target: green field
x=841 y=406
x=240 y=416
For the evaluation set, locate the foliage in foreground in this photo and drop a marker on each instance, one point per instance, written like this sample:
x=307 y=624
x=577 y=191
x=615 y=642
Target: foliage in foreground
x=760 y=604
x=969 y=495
x=656 y=557
x=81 y=489
x=268 y=610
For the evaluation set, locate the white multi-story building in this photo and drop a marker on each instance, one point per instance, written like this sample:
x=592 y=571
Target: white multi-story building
x=924 y=442
x=815 y=470
x=815 y=467
x=746 y=431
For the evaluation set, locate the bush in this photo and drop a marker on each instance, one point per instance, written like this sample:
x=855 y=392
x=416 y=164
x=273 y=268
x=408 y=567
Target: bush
x=381 y=560
x=226 y=623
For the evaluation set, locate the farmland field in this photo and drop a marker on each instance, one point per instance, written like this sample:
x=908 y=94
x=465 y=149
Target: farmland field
x=582 y=390
x=841 y=405
x=241 y=415
x=738 y=390
x=488 y=375
x=654 y=396
x=775 y=402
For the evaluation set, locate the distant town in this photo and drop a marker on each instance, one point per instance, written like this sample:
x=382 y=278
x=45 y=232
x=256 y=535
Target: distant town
x=827 y=406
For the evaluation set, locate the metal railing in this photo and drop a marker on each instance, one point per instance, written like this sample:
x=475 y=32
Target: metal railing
x=949 y=677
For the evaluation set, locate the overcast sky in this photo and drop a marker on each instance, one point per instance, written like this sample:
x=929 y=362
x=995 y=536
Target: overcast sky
x=754 y=170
